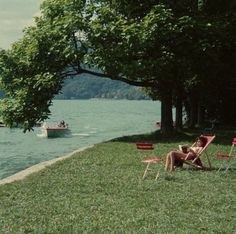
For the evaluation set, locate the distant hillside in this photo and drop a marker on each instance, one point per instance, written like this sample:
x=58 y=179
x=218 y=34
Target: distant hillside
x=86 y=87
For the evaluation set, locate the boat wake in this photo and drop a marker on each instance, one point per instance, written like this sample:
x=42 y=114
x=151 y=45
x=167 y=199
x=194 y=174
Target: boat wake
x=41 y=135
x=80 y=134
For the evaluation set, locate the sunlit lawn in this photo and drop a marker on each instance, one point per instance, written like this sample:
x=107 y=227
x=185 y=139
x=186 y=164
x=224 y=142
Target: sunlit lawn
x=101 y=190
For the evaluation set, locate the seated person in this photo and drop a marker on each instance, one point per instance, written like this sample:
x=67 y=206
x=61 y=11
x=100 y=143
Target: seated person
x=62 y=124
x=176 y=158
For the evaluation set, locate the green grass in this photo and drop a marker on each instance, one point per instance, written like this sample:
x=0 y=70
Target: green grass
x=101 y=190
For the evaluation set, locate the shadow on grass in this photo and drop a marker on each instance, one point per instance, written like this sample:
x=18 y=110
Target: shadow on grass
x=224 y=170
x=212 y=169
x=223 y=137
x=156 y=137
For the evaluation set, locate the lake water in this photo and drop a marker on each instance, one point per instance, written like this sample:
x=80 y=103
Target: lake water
x=90 y=121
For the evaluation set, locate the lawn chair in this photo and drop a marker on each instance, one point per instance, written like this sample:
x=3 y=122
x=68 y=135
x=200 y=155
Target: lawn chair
x=144 y=146
x=193 y=162
x=148 y=160
x=228 y=159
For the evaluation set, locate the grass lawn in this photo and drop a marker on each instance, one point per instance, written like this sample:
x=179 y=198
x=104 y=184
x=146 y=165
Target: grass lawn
x=101 y=190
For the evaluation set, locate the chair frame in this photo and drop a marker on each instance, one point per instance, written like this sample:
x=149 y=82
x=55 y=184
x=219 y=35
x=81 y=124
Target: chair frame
x=228 y=157
x=210 y=138
x=143 y=146
x=149 y=161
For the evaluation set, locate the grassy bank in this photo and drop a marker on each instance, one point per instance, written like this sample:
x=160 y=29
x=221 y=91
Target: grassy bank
x=100 y=190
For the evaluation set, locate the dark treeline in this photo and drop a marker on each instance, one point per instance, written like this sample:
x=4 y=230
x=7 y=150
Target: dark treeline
x=202 y=76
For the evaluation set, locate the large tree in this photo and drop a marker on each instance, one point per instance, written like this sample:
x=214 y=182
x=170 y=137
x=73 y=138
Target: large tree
x=153 y=44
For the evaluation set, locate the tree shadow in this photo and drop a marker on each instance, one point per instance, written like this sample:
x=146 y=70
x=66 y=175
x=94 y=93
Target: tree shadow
x=223 y=137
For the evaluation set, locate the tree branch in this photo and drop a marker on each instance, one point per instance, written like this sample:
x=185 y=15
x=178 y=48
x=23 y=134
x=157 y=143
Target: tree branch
x=146 y=83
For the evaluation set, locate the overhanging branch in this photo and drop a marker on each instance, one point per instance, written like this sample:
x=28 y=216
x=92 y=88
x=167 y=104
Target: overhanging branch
x=149 y=83
x=78 y=70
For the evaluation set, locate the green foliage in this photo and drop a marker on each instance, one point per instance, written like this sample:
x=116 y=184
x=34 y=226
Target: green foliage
x=162 y=45
x=101 y=189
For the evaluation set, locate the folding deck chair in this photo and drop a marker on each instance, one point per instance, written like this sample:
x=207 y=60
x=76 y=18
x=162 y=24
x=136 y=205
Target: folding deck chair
x=193 y=162
x=148 y=147
x=228 y=159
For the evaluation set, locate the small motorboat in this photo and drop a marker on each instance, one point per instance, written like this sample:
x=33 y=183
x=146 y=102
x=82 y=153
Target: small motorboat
x=59 y=130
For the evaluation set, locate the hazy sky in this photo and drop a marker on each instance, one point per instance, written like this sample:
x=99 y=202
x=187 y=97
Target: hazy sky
x=15 y=15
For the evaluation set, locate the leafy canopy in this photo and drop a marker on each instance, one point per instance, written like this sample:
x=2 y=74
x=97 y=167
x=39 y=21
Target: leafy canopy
x=155 y=44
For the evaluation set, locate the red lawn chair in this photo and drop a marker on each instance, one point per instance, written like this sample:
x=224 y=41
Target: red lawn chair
x=193 y=162
x=149 y=160
x=228 y=159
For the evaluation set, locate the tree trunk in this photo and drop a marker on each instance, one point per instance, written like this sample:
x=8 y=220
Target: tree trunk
x=200 y=116
x=179 y=112
x=193 y=101
x=166 y=114
x=193 y=112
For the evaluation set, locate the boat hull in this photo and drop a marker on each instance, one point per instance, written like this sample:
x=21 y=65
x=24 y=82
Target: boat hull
x=55 y=131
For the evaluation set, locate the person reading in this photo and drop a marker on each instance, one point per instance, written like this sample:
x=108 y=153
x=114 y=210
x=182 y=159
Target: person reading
x=176 y=158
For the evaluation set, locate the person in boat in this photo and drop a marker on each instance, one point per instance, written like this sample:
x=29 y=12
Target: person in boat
x=158 y=124
x=62 y=124
x=176 y=158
